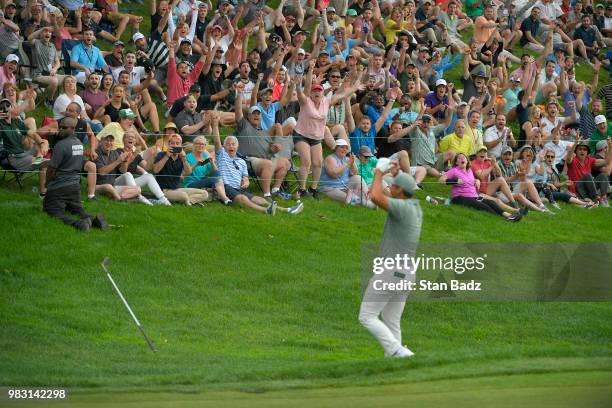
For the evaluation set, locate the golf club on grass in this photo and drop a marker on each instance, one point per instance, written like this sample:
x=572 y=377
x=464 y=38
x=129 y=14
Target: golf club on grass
x=106 y=262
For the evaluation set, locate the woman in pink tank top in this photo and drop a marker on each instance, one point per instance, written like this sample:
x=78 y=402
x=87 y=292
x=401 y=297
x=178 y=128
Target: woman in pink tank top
x=310 y=126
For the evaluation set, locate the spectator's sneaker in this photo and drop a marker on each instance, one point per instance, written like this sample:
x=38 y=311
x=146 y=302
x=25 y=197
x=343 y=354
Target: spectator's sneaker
x=296 y=209
x=42 y=195
x=302 y=193
x=515 y=217
x=604 y=203
x=402 y=352
x=268 y=198
x=546 y=210
x=99 y=222
x=281 y=194
x=589 y=205
x=314 y=193
x=524 y=211
x=556 y=205
x=271 y=210
x=228 y=202
x=92 y=198
x=164 y=201
x=144 y=200
x=419 y=186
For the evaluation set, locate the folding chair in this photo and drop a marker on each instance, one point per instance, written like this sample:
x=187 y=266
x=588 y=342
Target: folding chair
x=291 y=186
x=252 y=175
x=18 y=176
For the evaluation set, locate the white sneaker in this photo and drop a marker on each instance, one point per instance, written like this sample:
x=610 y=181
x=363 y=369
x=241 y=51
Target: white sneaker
x=403 y=352
x=144 y=200
x=165 y=201
x=296 y=209
x=556 y=205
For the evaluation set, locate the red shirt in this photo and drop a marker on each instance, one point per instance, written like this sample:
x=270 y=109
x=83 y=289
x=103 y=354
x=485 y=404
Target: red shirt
x=177 y=86
x=481 y=165
x=576 y=170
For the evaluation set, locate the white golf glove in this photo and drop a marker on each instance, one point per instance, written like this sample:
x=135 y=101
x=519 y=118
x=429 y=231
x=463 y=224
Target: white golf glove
x=384 y=165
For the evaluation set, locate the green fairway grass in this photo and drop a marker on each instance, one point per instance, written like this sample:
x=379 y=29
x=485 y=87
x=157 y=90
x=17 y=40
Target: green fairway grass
x=248 y=310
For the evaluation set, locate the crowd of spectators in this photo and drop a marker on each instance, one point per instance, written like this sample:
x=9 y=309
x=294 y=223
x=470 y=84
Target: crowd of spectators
x=318 y=91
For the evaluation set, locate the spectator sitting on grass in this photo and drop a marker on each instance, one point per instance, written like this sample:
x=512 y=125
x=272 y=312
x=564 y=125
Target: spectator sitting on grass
x=109 y=164
x=191 y=122
x=135 y=174
x=340 y=180
x=484 y=167
x=579 y=167
x=547 y=181
x=366 y=165
x=140 y=101
x=109 y=111
x=236 y=177
x=93 y=97
x=523 y=189
x=85 y=57
x=458 y=142
x=169 y=167
x=465 y=189
x=204 y=171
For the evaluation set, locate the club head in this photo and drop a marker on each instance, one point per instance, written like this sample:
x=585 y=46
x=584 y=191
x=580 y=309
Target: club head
x=105 y=263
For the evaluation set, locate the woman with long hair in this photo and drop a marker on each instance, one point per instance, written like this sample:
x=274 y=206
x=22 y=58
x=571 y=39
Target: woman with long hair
x=465 y=189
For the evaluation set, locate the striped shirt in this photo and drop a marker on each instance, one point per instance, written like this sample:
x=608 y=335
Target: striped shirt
x=232 y=169
x=605 y=93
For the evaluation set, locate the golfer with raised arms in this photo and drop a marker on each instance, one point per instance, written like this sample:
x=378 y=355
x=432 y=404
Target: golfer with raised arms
x=381 y=309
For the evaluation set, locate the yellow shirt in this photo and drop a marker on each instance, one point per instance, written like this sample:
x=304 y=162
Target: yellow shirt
x=476 y=136
x=390 y=32
x=456 y=144
x=114 y=129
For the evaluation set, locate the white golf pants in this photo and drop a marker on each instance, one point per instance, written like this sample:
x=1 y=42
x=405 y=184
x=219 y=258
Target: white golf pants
x=127 y=179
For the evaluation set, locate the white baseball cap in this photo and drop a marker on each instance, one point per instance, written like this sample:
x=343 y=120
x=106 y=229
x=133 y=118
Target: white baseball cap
x=340 y=142
x=137 y=36
x=12 y=58
x=598 y=119
x=440 y=82
x=301 y=51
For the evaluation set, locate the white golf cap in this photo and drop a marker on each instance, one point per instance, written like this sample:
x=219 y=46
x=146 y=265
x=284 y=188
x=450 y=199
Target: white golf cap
x=301 y=51
x=12 y=58
x=598 y=119
x=440 y=82
x=340 y=142
x=137 y=36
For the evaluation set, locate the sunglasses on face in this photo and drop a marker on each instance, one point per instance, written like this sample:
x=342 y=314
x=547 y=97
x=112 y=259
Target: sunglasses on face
x=548 y=156
x=335 y=77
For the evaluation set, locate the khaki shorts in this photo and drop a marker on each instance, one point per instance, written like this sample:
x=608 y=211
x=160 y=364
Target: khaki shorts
x=256 y=163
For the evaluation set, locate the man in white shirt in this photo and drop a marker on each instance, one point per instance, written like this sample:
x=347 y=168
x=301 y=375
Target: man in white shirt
x=499 y=136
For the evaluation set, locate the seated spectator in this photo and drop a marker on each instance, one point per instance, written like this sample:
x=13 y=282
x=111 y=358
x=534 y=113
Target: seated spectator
x=558 y=147
x=523 y=188
x=235 y=176
x=8 y=71
x=135 y=174
x=109 y=111
x=260 y=148
x=125 y=125
x=603 y=131
x=548 y=183
x=465 y=189
x=69 y=87
x=191 y=122
x=486 y=170
x=365 y=134
x=86 y=58
x=19 y=142
x=423 y=144
x=140 y=101
x=204 y=171
x=579 y=167
x=180 y=78
x=457 y=142
x=590 y=36
x=92 y=96
x=340 y=180
x=46 y=61
x=115 y=58
x=109 y=163
x=9 y=31
x=140 y=80
x=21 y=102
x=499 y=136
x=366 y=165
x=169 y=167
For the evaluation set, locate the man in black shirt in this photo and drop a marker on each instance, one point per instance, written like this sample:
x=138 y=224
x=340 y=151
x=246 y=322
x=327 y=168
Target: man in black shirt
x=64 y=181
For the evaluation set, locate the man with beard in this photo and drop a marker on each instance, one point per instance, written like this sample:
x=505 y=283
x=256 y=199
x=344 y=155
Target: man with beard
x=86 y=58
x=45 y=59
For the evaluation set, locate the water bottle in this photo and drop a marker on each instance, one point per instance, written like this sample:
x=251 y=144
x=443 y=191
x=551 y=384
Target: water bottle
x=431 y=200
